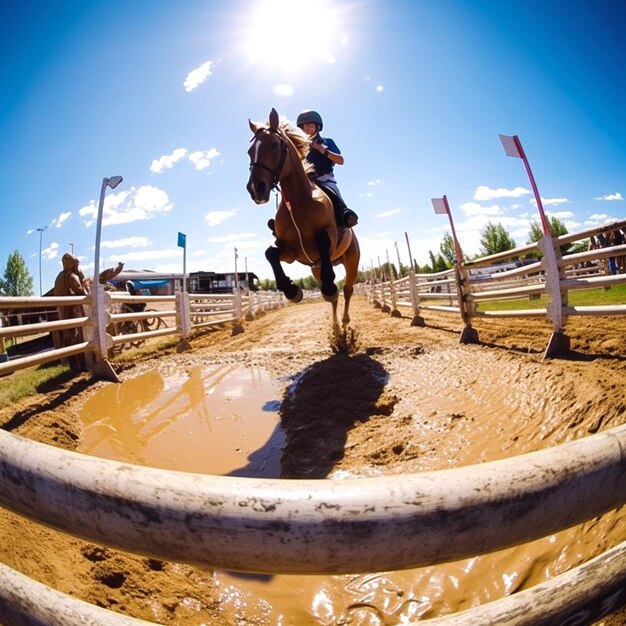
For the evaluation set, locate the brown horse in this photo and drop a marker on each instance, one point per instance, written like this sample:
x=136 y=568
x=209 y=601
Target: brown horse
x=305 y=225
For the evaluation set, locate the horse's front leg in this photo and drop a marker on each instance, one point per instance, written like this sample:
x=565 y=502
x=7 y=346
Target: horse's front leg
x=327 y=273
x=283 y=282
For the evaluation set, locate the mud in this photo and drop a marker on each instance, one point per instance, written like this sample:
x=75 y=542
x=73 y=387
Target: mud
x=402 y=399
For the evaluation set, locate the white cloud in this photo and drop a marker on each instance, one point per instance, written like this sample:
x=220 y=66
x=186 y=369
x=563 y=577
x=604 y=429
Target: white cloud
x=560 y=215
x=611 y=196
x=128 y=206
x=283 y=90
x=472 y=208
x=598 y=217
x=196 y=77
x=486 y=193
x=202 y=158
x=51 y=251
x=213 y=218
x=59 y=221
x=167 y=160
x=379 y=88
x=389 y=213
x=550 y=201
x=376 y=181
x=146 y=255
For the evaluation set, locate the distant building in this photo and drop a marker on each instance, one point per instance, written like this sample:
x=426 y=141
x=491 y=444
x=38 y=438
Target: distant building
x=214 y=282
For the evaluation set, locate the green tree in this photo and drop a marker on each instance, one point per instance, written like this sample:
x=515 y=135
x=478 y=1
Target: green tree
x=447 y=249
x=437 y=263
x=17 y=280
x=557 y=228
x=494 y=239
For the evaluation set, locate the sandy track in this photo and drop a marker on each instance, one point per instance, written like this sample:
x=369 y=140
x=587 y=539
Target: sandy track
x=406 y=399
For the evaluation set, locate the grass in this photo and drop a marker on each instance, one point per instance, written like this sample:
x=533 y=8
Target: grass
x=30 y=381
x=590 y=297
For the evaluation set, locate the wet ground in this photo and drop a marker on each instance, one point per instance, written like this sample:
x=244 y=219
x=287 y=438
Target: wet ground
x=281 y=400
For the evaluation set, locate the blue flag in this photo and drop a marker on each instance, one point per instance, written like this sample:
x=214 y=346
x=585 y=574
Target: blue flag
x=182 y=240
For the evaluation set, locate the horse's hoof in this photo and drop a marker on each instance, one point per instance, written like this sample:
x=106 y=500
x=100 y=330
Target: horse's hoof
x=332 y=297
x=294 y=295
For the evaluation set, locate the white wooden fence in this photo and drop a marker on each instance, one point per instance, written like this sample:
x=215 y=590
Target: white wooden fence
x=174 y=315
x=461 y=290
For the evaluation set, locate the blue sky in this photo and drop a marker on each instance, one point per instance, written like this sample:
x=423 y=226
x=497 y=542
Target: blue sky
x=415 y=93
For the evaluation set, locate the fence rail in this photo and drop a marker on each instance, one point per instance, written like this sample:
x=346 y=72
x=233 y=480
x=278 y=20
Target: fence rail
x=317 y=526
x=483 y=280
x=123 y=326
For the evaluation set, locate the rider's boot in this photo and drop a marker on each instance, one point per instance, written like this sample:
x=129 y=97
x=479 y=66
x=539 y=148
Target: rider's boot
x=271 y=224
x=350 y=218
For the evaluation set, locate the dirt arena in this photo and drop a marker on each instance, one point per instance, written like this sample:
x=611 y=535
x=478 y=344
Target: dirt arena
x=405 y=399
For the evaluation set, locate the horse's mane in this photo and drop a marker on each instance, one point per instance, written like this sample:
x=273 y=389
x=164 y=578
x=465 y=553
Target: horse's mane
x=300 y=141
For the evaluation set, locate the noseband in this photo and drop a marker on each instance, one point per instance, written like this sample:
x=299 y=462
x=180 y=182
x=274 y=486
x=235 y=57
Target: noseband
x=281 y=162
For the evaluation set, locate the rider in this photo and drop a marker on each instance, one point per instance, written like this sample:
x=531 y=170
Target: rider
x=324 y=155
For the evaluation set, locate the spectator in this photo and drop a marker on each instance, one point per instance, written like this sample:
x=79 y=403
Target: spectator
x=71 y=282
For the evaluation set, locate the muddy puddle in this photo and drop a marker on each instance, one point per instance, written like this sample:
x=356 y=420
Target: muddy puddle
x=225 y=420
x=213 y=420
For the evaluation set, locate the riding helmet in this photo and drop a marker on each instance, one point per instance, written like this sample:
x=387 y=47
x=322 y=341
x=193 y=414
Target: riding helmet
x=310 y=117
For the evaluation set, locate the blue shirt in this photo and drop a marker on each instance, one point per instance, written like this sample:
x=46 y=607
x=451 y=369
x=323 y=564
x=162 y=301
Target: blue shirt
x=322 y=164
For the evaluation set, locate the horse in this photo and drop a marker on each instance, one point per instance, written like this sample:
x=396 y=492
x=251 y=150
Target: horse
x=305 y=226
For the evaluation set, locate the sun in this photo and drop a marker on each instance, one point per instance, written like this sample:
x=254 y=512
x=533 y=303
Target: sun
x=290 y=34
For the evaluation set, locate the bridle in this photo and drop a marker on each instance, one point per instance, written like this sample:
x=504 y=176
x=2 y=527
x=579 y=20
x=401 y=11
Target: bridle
x=281 y=161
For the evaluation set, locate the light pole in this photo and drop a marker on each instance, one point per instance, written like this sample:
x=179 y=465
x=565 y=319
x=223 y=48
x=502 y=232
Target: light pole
x=71 y=247
x=40 y=231
x=112 y=182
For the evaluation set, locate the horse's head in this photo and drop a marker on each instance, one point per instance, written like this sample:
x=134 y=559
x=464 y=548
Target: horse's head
x=267 y=154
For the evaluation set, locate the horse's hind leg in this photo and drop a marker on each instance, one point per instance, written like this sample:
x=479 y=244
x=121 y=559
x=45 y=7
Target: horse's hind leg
x=283 y=282
x=351 y=263
x=347 y=294
x=327 y=274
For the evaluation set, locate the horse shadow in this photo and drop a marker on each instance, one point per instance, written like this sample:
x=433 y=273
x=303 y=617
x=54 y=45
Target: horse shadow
x=323 y=404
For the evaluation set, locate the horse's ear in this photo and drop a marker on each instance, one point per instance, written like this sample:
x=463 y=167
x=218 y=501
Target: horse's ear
x=273 y=119
x=253 y=127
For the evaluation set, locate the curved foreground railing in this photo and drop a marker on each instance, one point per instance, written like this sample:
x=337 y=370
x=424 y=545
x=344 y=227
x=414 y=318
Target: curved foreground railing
x=323 y=526
x=315 y=526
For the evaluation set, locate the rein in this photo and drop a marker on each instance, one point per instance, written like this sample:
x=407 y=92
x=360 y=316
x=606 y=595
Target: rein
x=295 y=225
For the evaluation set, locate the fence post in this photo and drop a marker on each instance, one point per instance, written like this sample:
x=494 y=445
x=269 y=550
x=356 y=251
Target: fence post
x=100 y=307
x=392 y=287
x=237 y=326
x=469 y=333
x=183 y=318
x=417 y=320
x=559 y=343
